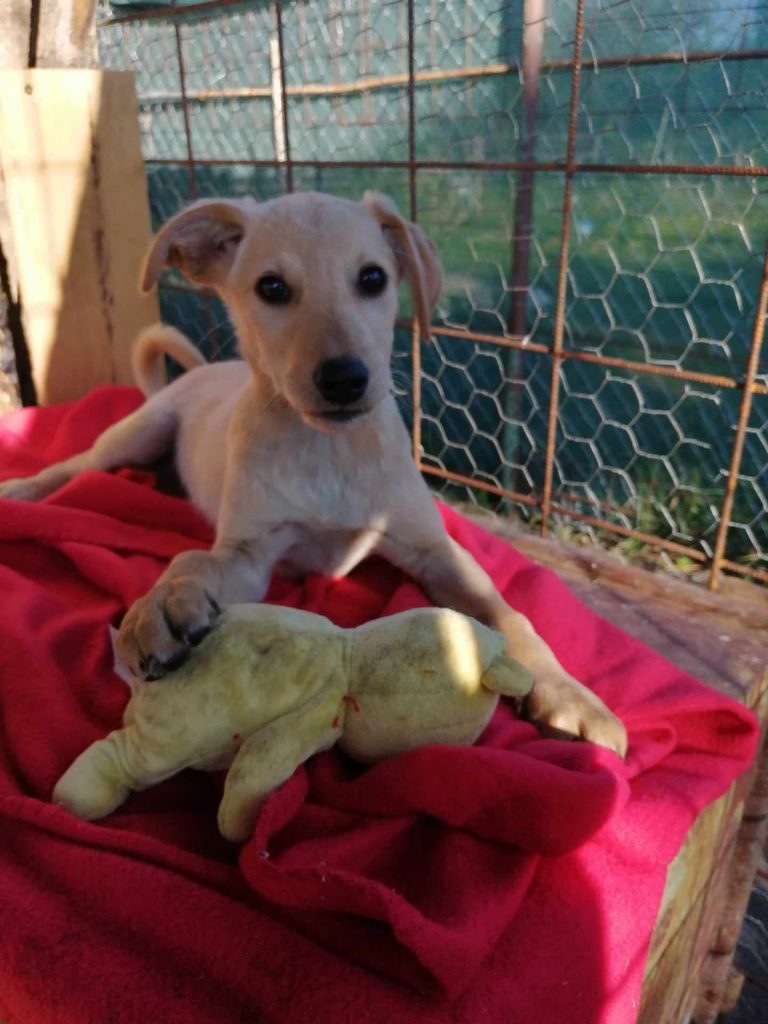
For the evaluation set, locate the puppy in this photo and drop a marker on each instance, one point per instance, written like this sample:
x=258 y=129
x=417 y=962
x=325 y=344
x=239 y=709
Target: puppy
x=298 y=453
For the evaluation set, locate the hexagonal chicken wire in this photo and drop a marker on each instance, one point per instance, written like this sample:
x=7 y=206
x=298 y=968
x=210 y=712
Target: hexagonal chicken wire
x=594 y=175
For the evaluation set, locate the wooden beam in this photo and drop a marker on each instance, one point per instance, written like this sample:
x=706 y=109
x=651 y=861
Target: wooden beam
x=65 y=34
x=79 y=217
x=34 y=34
x=15 y=17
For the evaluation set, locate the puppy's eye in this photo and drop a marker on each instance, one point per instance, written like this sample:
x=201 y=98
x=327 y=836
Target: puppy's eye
x=273 y=290
x=371 y=281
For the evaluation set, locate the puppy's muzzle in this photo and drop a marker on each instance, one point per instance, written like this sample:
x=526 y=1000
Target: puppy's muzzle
x=341 y=380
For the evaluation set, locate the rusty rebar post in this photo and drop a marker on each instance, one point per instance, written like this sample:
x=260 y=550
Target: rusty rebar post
x=697 y=170
x=562 y=273
x=190 y=161
x=288 y=164
x=413 y=211
x=745 y=408
x=534 y=19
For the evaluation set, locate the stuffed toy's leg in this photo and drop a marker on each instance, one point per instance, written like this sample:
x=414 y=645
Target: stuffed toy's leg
x=507 y=676
x=101 y=778
x=270 y=756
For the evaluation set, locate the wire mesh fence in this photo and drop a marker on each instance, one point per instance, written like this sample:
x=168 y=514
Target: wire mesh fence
x=594 y=175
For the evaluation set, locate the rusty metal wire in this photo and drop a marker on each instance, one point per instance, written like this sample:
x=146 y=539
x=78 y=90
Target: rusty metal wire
x=594 y=175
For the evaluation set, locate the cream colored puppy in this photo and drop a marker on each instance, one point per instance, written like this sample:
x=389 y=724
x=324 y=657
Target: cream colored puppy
x=298 y=453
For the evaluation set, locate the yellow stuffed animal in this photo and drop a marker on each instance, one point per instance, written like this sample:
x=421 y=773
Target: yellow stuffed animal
x=271 y=686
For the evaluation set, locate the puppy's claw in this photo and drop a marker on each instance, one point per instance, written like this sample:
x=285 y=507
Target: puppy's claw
x=160 y=629
x=153 y=668
x=196 y=636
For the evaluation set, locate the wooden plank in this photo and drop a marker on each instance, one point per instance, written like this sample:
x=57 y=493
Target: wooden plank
x=689 y=873
x=66 y=35
x=16 y=19
x=33 y=35
x=46 y=35
x=718 y=967
x=76 y=192
x=752 y=959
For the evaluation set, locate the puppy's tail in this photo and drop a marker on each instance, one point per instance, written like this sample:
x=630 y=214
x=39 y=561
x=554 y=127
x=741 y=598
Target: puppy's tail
x=149 y=351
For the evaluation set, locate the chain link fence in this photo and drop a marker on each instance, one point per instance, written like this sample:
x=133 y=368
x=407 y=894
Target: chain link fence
x=594 y=175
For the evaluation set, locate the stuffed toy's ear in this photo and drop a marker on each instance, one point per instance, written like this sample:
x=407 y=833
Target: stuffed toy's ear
x=201 y=241
x=417 y=259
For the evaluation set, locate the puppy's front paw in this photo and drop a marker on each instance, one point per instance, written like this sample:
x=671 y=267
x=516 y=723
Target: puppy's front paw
x=561 y=706
x=161 y=628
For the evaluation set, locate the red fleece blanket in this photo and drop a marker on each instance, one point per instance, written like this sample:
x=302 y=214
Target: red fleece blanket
x=515 y=881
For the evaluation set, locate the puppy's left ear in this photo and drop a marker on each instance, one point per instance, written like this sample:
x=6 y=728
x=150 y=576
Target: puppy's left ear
x=201 y=241
x=416 y=256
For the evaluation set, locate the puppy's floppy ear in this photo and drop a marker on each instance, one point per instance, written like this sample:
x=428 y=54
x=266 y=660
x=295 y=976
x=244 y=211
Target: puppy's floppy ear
x=201 y=241
x=416 y=256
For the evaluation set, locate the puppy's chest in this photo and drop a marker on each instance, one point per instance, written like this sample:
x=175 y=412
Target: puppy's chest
x=324 y=492
x=333 y=510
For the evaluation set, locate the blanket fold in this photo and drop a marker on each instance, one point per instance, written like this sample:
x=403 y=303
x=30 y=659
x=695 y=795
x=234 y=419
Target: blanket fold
x=514 y=881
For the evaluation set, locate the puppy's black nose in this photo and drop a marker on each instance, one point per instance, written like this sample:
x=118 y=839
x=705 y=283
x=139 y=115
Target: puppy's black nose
x=341 y=380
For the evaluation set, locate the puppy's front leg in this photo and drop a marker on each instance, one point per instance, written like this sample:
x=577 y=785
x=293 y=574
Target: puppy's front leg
x=450 y=576
x=160 y=628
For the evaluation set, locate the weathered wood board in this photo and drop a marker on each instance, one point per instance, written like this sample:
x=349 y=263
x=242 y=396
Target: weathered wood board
x=76 y=191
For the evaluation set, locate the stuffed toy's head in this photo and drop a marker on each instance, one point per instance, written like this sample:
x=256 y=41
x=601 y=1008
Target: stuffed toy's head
x=271 y=686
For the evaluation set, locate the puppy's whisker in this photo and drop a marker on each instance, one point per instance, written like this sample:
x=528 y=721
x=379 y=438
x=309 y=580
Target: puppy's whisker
x=402 y=382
